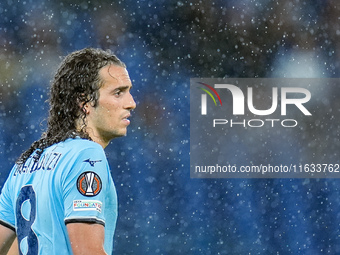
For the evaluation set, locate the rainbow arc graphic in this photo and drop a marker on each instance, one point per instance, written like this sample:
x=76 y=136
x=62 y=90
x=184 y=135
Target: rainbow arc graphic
x=204 y=97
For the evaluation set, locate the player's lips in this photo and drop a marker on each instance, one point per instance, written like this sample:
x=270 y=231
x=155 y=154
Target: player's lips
x=126 y=118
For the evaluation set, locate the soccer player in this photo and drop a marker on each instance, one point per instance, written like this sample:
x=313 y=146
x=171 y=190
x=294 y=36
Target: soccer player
x=59 y=197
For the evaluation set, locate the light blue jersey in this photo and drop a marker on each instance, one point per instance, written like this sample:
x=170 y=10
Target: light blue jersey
x=71 y=182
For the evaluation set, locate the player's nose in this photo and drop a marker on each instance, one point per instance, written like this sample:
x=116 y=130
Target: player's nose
x=130 y=102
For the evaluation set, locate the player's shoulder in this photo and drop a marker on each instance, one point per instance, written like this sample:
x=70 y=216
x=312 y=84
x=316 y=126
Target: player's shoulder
x=80 y=144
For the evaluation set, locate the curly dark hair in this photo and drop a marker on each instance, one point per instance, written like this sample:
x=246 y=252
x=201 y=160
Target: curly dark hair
x=75 y=83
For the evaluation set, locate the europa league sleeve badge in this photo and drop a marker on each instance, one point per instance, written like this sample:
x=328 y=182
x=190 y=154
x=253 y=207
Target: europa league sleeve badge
x=89 y=184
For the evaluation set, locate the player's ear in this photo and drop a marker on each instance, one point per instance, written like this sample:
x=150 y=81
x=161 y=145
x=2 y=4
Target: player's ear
x=86 y=108
x=83 y=105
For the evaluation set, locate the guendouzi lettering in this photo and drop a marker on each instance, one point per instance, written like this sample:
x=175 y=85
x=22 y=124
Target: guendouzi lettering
x=47 y=162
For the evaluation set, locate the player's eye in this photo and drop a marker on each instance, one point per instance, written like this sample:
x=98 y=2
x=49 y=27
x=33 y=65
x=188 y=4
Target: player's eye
x=118 y=92
x=121 y=91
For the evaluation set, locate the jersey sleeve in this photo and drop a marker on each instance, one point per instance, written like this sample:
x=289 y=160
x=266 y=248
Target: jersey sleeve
x=85 y=186
x=7 y=215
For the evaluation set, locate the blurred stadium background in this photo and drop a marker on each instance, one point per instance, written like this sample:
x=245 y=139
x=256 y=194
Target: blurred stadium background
x=164 y=44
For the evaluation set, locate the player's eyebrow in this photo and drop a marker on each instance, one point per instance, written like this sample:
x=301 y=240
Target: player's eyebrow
x=124 y=87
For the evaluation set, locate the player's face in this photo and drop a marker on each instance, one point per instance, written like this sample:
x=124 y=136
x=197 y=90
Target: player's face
x=110 y=117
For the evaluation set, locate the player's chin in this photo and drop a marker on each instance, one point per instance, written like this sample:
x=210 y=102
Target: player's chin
x=122 y=132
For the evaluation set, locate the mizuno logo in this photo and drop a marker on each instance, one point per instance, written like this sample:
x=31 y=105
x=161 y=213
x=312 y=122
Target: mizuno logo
x=92 y=162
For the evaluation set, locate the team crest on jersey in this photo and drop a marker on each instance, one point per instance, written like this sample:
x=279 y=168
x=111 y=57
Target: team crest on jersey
x=89 y=184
